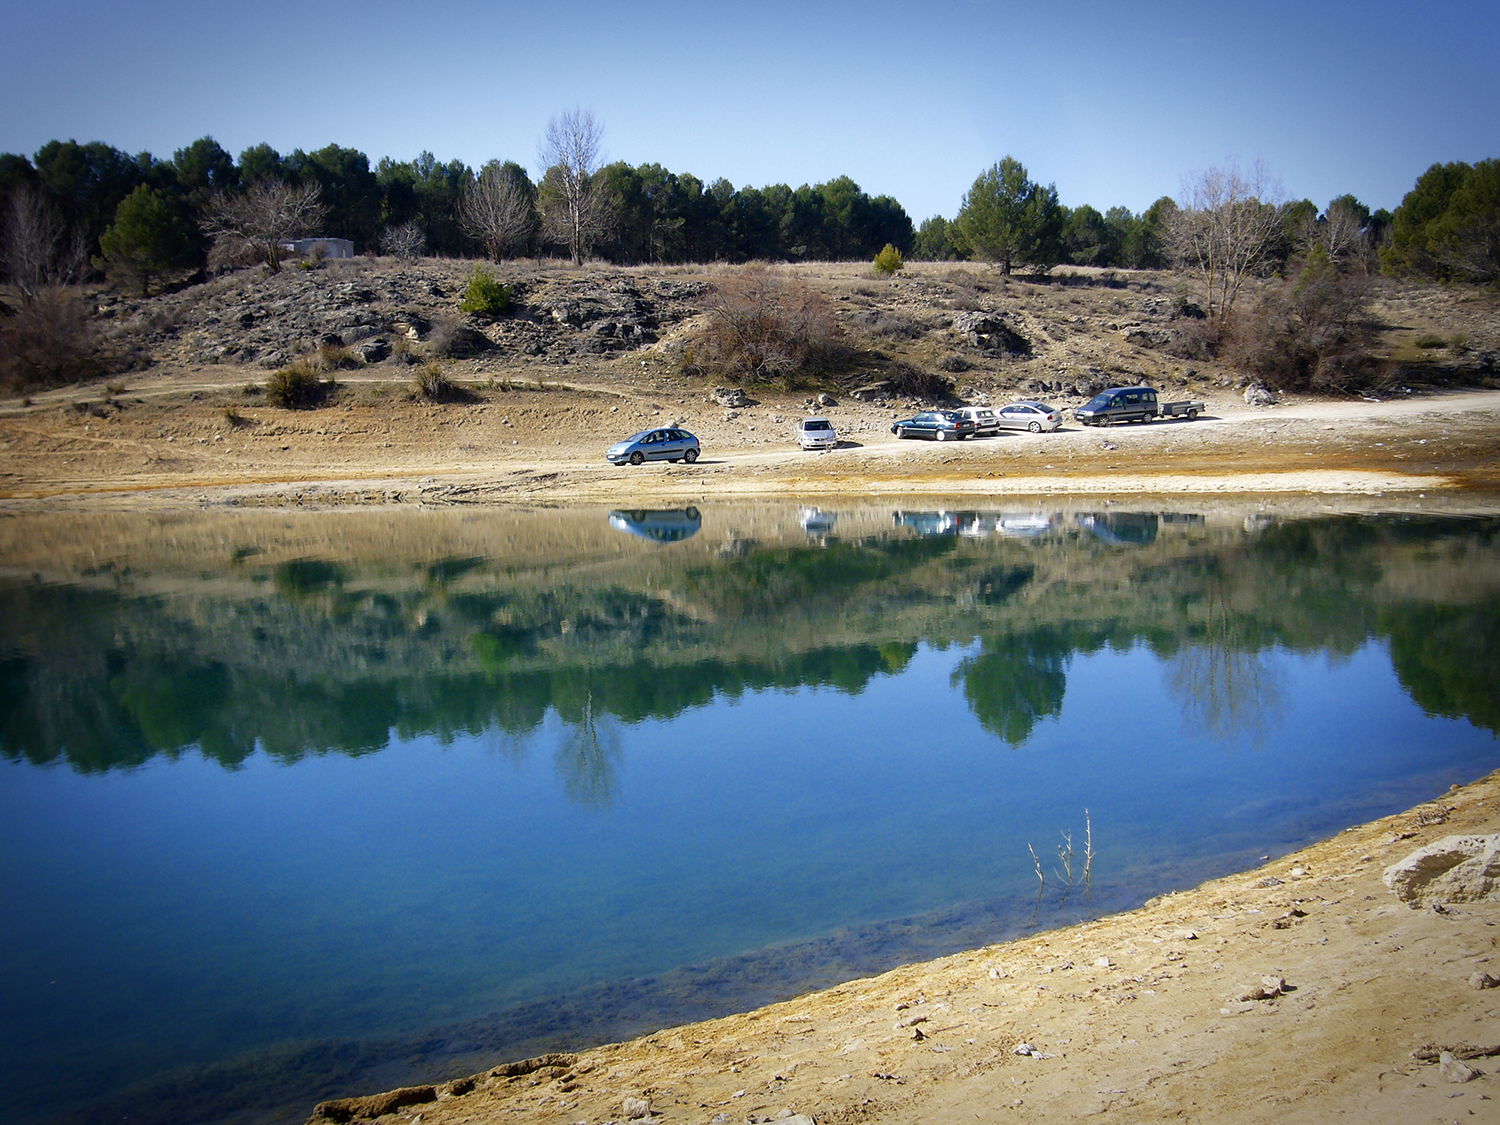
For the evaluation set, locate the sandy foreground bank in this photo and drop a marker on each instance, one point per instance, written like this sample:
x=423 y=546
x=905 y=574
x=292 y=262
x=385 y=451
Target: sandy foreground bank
x=1302 y=991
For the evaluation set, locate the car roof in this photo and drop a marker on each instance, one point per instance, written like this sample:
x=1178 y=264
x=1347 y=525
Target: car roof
x=816 y=418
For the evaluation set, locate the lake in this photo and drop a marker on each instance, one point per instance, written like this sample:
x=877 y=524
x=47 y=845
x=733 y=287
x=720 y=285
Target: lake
x=305 y=805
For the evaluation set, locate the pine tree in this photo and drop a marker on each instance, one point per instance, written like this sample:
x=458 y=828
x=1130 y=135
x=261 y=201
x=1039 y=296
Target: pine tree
x=149 y=237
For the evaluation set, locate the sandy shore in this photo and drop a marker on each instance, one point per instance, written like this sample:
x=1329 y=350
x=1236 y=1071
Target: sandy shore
x=1302 y=991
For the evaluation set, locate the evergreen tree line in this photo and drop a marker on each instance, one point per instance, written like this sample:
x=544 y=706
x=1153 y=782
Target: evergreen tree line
x=73 y=208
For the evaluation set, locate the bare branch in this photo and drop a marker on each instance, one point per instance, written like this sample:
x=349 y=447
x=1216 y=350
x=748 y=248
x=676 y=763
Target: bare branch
x=496 y=211
x=575 y=208
x=256 y=223
x=1225 y=231
x=37 y=249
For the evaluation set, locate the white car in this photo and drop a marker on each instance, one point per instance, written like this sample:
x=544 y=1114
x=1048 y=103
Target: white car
x=983 y=418
x=816 y=433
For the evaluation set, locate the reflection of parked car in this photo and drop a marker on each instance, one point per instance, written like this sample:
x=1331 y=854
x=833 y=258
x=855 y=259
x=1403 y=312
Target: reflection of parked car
x=1123 y=529
x=660 y=525
x=1033 y=416
x=816 y=522
x=983 y=418
x=666 y=444
x=816 y=433
x=940 y=424
x=927 y=523
x=1024 y=526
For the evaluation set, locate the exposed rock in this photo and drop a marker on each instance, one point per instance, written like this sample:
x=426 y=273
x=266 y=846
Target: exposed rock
x=1454 y=869
x=989 y=333
x=731 y=397
x=376 y=1105
x=1454 y=1069
x=1257 y=394
x=636 y=1108
x=1483 y=980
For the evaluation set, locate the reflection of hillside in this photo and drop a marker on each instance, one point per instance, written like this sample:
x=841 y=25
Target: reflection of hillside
x=296 y=653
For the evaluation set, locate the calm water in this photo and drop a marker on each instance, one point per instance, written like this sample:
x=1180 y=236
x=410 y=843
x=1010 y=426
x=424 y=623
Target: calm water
x=299 y=807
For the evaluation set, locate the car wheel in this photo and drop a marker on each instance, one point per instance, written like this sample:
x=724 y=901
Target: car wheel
x=690 y=456
x=637 y=458
x=1191 y=414
x=943 y=435
x=1035 y=427
x=899 y=431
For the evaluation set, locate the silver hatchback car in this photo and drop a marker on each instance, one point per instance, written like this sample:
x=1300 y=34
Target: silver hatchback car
x=669 y=443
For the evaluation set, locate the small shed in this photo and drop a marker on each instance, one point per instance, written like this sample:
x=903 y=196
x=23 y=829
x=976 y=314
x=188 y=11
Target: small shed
x=319 y=247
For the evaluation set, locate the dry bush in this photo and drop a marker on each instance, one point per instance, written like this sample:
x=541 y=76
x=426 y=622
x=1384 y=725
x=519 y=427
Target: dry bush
x=763 y=325
x=51 y=340
x=1311 y=332
x=298 y=387
x=913 y=382
x=431 y=384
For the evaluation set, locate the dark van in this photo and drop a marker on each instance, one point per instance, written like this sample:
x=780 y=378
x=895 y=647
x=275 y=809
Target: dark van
x=1133 y=404
x=1118 y=404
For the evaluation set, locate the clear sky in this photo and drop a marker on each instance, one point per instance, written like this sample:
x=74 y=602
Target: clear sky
x=1115 y=103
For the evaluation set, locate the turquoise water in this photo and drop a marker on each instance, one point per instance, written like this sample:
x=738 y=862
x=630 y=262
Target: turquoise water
x=289 y=811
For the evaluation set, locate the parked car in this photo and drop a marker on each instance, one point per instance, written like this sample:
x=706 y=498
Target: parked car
x=666 y=444
x=1029 y=415
x=816 y=433
x=1133 y=404
x=944 y=425
x=983 y=418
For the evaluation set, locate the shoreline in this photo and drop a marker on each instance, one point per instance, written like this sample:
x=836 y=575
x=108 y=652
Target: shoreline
x=1145 y=1015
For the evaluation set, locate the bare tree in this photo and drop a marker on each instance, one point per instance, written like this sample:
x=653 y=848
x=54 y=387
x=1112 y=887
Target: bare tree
x=255 y=224
x=576 y=210
x=497 y=211
x=406 y=241
x=37 y=249
x=1225 y=231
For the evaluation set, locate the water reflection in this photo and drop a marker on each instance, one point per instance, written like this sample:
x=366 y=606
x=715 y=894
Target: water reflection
x=310 y=654
x=338 y=780
x=660 y=525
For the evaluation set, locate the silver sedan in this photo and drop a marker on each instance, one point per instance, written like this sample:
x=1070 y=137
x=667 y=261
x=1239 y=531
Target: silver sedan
x=1033 y=416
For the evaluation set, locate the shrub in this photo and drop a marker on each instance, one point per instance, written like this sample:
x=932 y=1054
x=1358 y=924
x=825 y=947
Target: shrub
x=486 y=296
x=336 y=357
x=1312 y=332
x=432 y=384
x=50 y=341
x=760 y=325
x=913 y=382
x=889 y=260
x=297 y=387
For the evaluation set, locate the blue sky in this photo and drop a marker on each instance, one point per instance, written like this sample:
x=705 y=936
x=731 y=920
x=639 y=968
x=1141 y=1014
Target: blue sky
x=1114 y=103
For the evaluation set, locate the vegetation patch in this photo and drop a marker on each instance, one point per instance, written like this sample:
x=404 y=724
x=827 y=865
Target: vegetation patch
x=298 y=387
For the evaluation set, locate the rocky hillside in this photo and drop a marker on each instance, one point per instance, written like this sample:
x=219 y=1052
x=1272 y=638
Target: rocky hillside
x=1070 y=333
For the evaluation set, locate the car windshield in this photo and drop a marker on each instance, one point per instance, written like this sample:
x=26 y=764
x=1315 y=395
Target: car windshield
x=1098 y=401
x=817 y=424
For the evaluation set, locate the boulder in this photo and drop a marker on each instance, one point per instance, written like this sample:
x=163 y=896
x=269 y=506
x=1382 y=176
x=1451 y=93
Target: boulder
x=1454 y=869
x=1257 y=394
x=989 y=333
x=732 y=397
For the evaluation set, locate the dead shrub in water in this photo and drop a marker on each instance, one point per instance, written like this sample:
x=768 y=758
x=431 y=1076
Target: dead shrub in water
x=761 y=325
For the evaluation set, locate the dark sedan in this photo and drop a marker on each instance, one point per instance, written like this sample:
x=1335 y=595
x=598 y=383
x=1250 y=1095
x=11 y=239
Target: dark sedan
x=943 y=425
